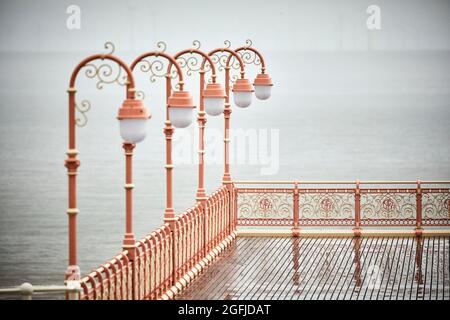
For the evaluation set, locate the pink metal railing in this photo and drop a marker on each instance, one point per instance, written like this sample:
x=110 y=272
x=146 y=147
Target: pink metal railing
x=218 y=218
x=189 y=239
x=153 y=264
x=166 y=259
x=165 y=256
x=111 y=281
x=310 y=203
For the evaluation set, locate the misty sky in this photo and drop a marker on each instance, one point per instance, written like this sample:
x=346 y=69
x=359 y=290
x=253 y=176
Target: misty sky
x=280 y=25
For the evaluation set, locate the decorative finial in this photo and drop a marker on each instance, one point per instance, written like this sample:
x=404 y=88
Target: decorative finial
x=196 y=44
x=110 y=47
x=161 y=45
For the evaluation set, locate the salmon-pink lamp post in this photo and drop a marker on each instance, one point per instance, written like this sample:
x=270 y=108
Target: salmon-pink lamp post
x=242 y=94
x=179 y=112
x=211 y=99
x=133 y=117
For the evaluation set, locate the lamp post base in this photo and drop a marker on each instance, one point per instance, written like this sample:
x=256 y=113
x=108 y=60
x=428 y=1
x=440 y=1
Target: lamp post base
x=226 y=178
x=201 y=194
x=72 y=273
x=295 y=232
x=357 y=231
x=129 y=240
x=418 y=231
x=169 y=215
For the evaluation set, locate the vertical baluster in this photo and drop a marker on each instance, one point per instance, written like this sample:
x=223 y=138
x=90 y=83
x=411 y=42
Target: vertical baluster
x=154 y=266
x=235 y=218
x=205 y=227
x=296 y=228
x=229 y=206
x=221 y=216
x=419 y=228
x=190 y=239
x=357 y=228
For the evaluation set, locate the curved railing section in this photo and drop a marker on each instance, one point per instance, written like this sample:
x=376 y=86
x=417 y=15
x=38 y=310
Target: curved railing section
x=111 y=281
x=165 y=262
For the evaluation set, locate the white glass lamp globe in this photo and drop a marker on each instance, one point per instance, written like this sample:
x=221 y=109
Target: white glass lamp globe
x=263 y=86
x=133 y=116
x=181 y=117
x=133 y=130
x=263 y=92
x=242 y=93
x=181 y=109
x=242 y=98
x=214 y=99
x=214 y=106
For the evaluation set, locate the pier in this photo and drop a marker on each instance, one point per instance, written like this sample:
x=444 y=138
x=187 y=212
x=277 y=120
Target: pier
x=292 y=239
x=317 y=240
x=344 y=268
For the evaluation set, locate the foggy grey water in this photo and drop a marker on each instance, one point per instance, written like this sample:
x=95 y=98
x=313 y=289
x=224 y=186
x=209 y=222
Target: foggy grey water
x=347 y=116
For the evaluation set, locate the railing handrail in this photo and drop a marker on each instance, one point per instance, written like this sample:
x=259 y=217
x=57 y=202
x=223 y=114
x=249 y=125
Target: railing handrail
x=26 y=290
x=300 y=182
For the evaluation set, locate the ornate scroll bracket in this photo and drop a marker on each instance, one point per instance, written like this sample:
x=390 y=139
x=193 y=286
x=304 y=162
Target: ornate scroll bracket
x=105 y=73
x=220 y=59
x=82 y=108
x=248 y=56
x=192 y=64
x=155 y=67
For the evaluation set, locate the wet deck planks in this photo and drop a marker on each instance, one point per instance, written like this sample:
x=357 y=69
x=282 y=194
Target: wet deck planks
x=328 y=268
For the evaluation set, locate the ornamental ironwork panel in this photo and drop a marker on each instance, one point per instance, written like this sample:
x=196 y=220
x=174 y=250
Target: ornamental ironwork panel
x=326 y=207
x=388 y=207
x=436 y=206
x=265 y=206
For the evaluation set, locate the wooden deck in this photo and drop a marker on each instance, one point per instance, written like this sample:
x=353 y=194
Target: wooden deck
x=328 y=268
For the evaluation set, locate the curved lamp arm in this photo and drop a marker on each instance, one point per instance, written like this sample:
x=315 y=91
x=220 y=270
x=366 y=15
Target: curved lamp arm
x=72 y=90
x=171 y=61
x=260 y=56
x=168 y=57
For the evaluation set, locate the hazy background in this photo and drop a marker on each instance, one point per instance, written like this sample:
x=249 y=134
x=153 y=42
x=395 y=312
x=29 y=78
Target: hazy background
x=349 y=103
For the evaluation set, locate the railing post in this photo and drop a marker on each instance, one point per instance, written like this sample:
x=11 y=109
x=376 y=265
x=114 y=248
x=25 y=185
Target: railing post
x=419 y=229
x=357 y=228
x=234 y=200
x=26 y=291
x=296 y=228
x=233 y=210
